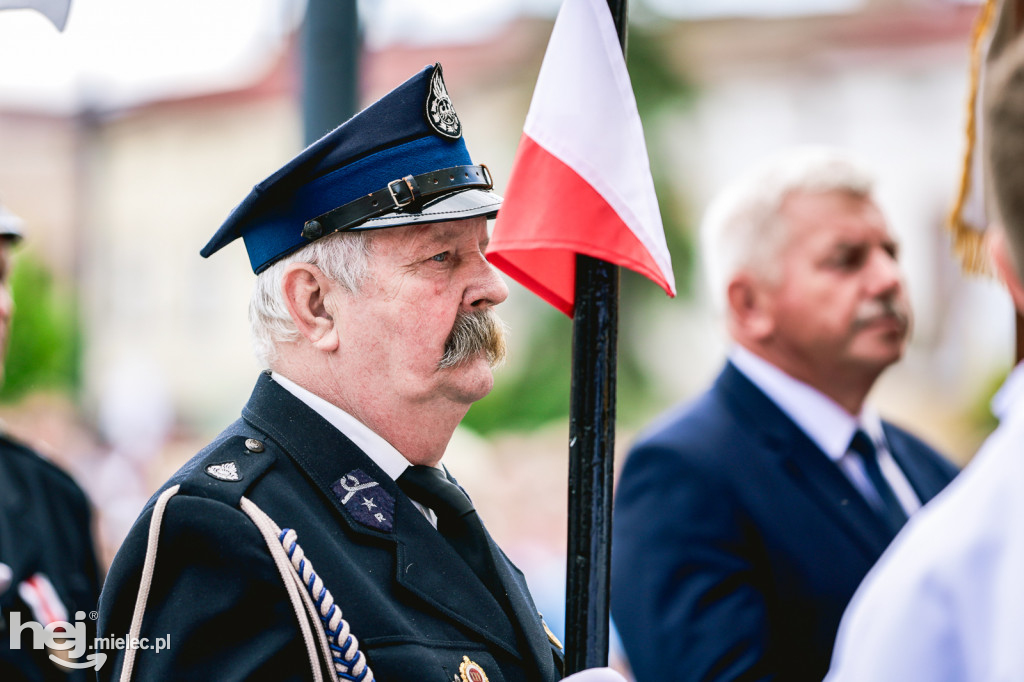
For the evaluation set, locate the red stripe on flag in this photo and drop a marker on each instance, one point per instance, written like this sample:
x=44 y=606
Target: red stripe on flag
x=549 y=215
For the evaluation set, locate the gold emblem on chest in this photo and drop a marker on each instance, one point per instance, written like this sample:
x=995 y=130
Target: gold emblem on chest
x=471 y=672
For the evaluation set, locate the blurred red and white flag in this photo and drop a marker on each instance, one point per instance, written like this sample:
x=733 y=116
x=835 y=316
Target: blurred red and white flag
x=581 y=181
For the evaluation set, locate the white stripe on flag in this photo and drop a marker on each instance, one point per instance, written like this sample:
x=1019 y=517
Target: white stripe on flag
x=584 y=113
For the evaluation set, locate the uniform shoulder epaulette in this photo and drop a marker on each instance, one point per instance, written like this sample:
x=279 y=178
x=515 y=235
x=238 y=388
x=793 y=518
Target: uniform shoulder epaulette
x=225 y=471
x=228 y=468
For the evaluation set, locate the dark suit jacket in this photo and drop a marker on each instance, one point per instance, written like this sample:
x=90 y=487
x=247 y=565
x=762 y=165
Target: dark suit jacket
x=45 y=527
x=416 y=608
x=737 y=542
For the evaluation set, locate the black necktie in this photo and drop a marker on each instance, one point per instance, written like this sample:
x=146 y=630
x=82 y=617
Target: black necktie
x=892 y=510
x=457 y=520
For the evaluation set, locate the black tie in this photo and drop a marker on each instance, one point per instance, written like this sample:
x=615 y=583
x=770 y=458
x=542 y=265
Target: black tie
x=457 y=520
x=892 y=511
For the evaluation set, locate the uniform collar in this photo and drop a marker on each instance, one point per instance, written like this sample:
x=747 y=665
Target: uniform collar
x=821 y=418
x=383 y=454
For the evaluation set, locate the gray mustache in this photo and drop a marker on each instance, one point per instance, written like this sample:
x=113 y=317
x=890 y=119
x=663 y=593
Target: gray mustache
x=474 y=333
x=878 y=308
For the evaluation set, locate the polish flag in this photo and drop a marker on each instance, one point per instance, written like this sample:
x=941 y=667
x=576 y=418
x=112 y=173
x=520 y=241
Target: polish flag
x=581 y=181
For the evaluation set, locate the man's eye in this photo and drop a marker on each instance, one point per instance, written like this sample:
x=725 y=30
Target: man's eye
x=440 y=258
x=847 y=259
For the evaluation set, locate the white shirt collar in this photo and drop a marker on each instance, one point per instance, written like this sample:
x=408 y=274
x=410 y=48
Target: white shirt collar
x=821 y=418
x=1009 y=394
x=384 y=455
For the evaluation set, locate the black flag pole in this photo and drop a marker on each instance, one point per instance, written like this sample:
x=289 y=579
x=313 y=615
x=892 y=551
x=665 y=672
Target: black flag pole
x=591 y=449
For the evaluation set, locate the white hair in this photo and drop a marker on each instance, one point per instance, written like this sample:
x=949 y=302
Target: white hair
x=342 y=256
x=742 y=228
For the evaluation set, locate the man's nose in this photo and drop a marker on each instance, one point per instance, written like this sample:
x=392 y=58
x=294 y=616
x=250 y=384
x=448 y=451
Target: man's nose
x=487 y=287
x=885 y=274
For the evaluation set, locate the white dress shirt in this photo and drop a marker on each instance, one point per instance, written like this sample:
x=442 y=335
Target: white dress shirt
x=946 y=600
x=383 y=453
x=829 y=426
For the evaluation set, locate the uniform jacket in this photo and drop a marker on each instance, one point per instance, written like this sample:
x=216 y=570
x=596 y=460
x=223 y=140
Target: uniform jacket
x=45 y=529
x=737 y=542
x=417 y=610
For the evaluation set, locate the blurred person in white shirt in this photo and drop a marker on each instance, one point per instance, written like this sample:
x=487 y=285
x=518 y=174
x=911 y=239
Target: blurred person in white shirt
x=946 y=601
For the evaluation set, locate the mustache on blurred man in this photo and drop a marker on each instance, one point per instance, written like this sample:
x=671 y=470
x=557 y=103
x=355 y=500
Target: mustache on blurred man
x=881 y=308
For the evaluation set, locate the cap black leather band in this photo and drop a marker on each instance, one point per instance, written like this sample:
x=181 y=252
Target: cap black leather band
x=397 y=195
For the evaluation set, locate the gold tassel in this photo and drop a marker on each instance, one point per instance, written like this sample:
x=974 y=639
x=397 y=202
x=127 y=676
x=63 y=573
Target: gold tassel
x=969 y=240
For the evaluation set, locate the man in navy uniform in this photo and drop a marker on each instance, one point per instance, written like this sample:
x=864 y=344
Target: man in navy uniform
x=48 y=568
x=319 y=534
x=745 y=520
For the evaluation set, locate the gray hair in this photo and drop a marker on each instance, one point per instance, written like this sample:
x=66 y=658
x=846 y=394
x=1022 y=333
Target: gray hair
x=1004 y=144
x=342 y=256
x=742 y=228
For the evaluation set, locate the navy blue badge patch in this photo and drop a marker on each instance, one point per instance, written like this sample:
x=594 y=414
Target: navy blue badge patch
x=440 y=111
x=365 y=500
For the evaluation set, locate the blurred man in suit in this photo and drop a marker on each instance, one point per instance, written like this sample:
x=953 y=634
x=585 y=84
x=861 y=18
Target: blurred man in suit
x=745 y=520
x=946 y=600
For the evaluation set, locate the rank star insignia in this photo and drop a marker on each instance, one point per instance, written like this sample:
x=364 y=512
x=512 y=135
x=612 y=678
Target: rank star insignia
x=227 y=471
x=440 y=111
x=471 y=672
x=365 y=499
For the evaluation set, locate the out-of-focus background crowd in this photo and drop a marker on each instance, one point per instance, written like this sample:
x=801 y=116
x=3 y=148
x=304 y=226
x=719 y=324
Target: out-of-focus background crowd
x=127 y=139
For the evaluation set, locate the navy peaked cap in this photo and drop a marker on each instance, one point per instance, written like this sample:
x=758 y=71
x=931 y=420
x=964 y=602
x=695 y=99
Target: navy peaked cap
x=402 y=160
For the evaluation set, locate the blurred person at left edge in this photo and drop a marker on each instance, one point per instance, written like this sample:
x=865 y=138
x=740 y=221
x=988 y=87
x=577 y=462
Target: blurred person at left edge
x=319 y=536
x=48 y=567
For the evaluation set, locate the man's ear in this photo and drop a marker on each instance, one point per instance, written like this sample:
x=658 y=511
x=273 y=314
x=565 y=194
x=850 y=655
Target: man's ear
x=999 y=250
x=749 y=307
x=306 y=289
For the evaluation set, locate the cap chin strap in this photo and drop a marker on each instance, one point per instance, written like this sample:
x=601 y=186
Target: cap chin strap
x=398 y=194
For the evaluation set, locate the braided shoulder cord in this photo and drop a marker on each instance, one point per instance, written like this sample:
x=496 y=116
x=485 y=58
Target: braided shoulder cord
x=146 y=579
x=349 y=662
